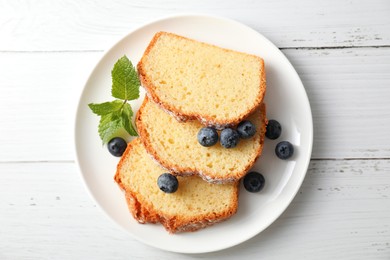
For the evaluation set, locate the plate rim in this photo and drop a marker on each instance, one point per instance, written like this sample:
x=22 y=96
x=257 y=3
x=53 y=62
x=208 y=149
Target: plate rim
x=117 y=42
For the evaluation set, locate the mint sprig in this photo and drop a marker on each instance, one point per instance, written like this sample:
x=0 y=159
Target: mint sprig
x=125 y=82
x=117 y=114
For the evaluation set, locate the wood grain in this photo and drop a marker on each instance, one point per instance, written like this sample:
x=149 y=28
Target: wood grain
x=347 y=89
x=341 y=211
x=30 y=25
x=341 y=50
x=38 y=98
x=348 y=92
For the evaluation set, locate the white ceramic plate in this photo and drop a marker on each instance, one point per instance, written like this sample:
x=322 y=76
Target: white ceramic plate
x=286 y=101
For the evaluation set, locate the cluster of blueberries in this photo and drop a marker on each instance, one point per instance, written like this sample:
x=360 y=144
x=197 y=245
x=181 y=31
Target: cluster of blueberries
x=208 y=136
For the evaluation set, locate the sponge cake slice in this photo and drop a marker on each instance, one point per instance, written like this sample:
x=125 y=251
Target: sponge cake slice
x=196 y=204
x=195 y=80
x=175 y=146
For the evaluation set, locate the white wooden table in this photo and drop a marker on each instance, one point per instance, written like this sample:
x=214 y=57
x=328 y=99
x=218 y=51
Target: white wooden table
x=341 y=50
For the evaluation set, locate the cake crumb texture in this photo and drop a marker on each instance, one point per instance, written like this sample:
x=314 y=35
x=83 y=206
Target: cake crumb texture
x=175 y=145
x=195 y=80
x=196 y=204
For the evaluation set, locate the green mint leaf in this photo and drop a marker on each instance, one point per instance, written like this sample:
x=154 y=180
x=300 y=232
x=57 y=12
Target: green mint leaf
x=126 y=115
x=109 y=125
x=117 y=115
x=125 y=82
x=106 y=107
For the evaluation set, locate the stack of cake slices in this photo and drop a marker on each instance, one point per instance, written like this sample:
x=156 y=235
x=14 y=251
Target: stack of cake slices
x=191 y=85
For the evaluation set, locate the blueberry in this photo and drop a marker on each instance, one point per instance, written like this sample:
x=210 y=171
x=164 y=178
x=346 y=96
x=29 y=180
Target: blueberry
x=229 y=138
x=274 y=129
x=254 y=182
x=284 y=150
x=207 y=136
x=246 y=129
x=116 y=146
x=167 y=183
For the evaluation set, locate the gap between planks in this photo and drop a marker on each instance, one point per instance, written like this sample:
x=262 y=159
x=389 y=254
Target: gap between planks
x=312 y=159
x=281 y=48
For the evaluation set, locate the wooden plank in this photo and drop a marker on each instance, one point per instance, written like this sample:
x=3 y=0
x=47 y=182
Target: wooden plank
x=94 y=25
x=341 y=211
x=38 y=97
x=349 y=95
x=347 y=88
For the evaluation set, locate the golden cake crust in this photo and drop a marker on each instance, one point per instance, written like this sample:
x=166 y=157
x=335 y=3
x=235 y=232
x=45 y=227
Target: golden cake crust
x=150 y=210
x=217 y=121
x=184 y=163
